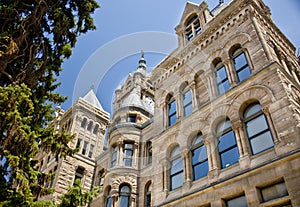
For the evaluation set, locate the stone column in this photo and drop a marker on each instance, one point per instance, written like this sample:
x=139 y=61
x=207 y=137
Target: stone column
x=120 y=154
x=213 y=92
x=194 y=95
x=266 y=111
x=179 y=107
x=231 y=73
x=135 y=154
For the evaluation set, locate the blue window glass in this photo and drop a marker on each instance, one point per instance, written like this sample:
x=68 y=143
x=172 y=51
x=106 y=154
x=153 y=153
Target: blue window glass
x=222 y=80
x=127 y=154
x=124 y=196
x=176 y=170
x=199 y=158
x=227 y=146
x=257 y=129
x=109 y=202
x=241 y=66
x=187 y=103
x=114 y=156
x=172 y=112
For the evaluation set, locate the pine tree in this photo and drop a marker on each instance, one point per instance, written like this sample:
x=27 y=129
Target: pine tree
x=35 y=38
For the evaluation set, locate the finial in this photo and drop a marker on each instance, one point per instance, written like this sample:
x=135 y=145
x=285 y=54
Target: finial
x=92 y=86
x=142 y=53
x=221 y=1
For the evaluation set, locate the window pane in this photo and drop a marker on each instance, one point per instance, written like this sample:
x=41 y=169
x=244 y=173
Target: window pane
x=244 y=73
x=124 y=201
x=222 y=126
x=187 y=98
x=261 y=142
x=172 y=107
x=175 y=151
x=188 y=109
x=109 y=202
x=176 y=181
x=221 y=74
x=176 y=166
x=226 y=140
x=223 y=87
x=200 y=170
x=240 y=61
x=172 y=120
x=199 y=154
x=229 y=157
x=256 y=125
x=275 y=191
x=252 y=110
x=125 y=189
x=237 y=202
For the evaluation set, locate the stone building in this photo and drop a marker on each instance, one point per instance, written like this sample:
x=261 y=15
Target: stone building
x=88 y=121
x=215 y=124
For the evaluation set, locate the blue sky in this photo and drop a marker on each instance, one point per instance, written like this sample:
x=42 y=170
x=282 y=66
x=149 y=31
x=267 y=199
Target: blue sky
x=104 y=57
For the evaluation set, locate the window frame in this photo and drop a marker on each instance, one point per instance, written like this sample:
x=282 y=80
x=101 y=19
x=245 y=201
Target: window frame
x=251 y=118
x=189 y=102
x=174 y=159
x=236 y=54
x=171 y=116
x=114 y=153
x=221 y=82
x=128 y=157
x=124 y=194
x=196 y=146
x=229 y=149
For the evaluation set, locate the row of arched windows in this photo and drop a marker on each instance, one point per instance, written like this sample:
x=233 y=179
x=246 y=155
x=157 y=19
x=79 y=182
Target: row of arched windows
x=90 y=126
x=257 y=132
x=224 y=78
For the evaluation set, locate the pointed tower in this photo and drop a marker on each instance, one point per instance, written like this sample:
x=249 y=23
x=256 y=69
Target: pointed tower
x=88 y=121
x=120 y=166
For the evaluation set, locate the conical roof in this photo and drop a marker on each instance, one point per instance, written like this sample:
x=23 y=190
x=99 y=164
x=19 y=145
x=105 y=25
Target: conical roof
x=92 y=99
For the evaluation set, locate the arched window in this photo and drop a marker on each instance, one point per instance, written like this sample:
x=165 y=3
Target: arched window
x=108 y=202
x=227 y=146
x=176 y=170
x=257 y=129
x=240 y=64
x=221 y=78
x=124 y=195
x=114 y=156
x=199 y=158
x=148 y=195
x=95 y=131
x=83 y=123
x=187 y=102
x=171 y=112
x=90 y=126
x=193 y=27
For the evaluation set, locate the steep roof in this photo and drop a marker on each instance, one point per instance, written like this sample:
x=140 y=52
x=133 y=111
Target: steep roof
x=92 y=99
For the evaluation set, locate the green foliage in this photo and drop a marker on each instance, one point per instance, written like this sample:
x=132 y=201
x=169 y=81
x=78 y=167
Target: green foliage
x=78 y=196
x=35 y=38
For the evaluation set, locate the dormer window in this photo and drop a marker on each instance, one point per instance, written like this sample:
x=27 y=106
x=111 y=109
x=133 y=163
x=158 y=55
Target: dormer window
x=193 y=27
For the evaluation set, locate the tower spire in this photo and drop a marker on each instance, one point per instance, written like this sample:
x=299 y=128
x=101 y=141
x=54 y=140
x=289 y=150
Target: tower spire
x=142 y=62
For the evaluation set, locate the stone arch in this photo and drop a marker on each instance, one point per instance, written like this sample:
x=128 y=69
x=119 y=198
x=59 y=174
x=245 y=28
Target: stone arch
x=239 y=39
x=218 y=113
x=261 y=93
x=119 y=180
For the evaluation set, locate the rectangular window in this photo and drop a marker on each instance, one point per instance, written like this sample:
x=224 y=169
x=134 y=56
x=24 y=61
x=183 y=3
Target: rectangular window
x=91 y=151
x=114 y=156
x=132 y=118
x=127 y=154
x=273 y=191
x=172 y=113
x=237 y=202
x=85 y=144
x=222 y=80
x=176 y=174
